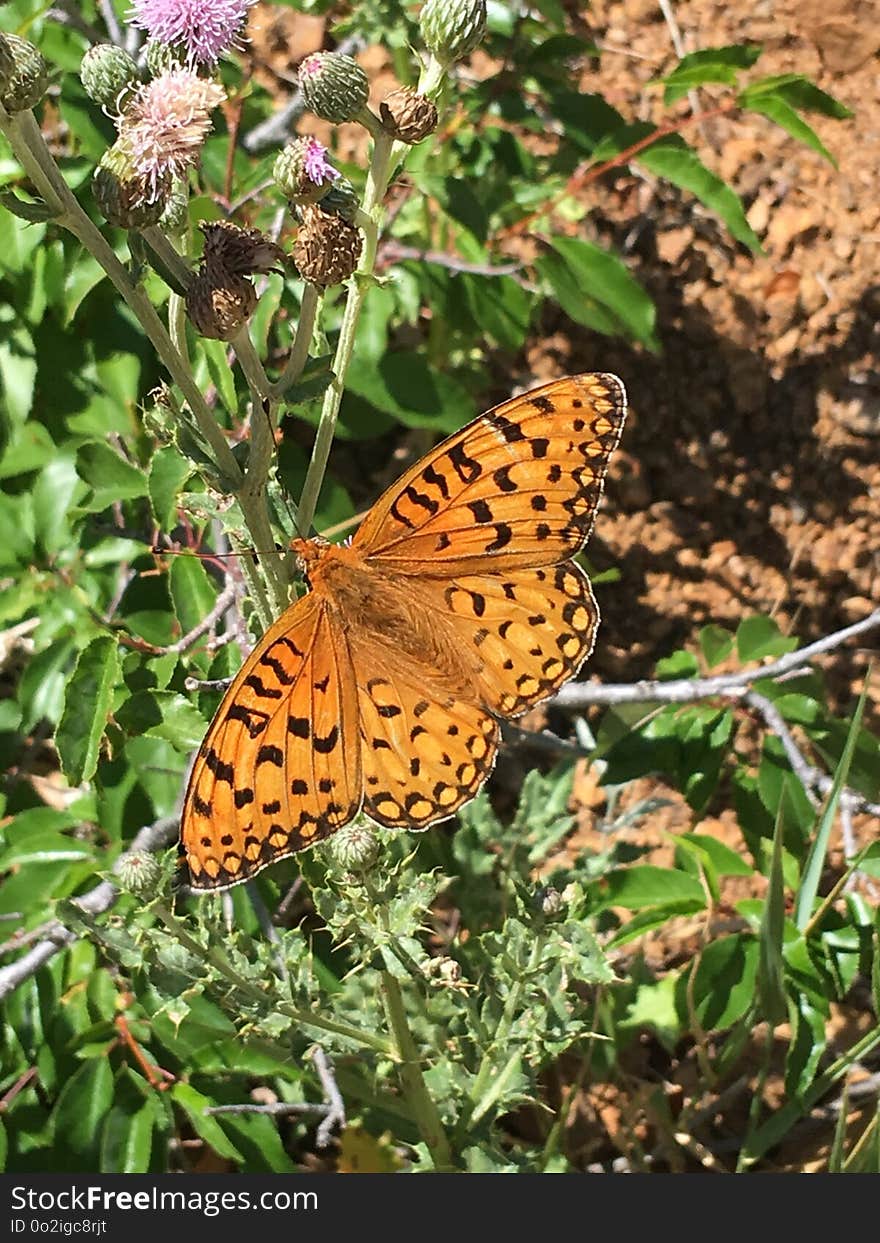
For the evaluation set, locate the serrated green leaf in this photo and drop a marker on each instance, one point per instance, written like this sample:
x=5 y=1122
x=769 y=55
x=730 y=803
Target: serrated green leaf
x=88 y=698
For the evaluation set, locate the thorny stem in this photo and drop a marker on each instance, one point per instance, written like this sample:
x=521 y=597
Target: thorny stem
x=377 y=184
x=219 y=962
x=26 y=140
x=415 y=1089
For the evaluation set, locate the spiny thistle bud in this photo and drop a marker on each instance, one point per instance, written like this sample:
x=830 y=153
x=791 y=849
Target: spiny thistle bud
x=407 y=115
x=219 y=303
x=241 y=252
x=139 y=873
x=334 y=86
x=327 y=248
x=452 y=28
x=29 y=77
x=7 y=63
x=341 y=200
x=124 y=197
x=162 y=57
x=302 y=172
x=105 y=72
x=355 y=847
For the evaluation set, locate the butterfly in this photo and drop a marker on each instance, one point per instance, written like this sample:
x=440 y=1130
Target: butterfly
x=456 y=605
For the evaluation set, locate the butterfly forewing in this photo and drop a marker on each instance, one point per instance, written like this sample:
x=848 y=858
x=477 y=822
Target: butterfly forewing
x=518 y=487
x=280 y=766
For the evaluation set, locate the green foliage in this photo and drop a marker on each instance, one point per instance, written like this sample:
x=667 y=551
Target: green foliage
x=497 y=948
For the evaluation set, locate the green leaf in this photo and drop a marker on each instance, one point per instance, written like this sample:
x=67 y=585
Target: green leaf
x=757 y=637
x=596 y=289
x=716 y=644
x=80 y=1112
x=163 y=714
x=673 y=159
x=215 y=353
x=88 y=698
x=645 y=885
x=193 y=591
x=725 y=861
x=109 y=476
x=771 y=975
x=169 y=471
x=18 y=372
x=711 y=64
x=723 y=986
x=206 y=1126
x=406 y=386
x=809 y=887
x=500 y=306
x=127 y=1134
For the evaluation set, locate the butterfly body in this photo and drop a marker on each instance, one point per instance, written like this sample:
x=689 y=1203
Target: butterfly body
x=455 y=605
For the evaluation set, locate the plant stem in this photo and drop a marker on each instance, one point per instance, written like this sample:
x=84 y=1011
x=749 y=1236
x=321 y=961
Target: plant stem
x=27 y=142
x=377 y=184
x=299 y=353
x=218 y=961
x=414 y=1087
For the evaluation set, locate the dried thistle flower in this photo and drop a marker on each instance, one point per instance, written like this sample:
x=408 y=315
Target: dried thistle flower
x=327 y=248
x=407 y=115
x=229 y=248
x=218 y=305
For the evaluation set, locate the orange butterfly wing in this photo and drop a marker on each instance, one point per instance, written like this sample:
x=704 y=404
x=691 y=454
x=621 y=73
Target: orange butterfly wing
x=280 y=766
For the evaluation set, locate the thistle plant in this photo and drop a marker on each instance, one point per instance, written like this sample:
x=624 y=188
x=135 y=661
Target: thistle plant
x=443 y=973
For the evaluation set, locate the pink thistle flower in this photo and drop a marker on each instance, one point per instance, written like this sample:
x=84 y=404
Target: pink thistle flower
x=203 y=28
x=315 y=166
x=167 y=122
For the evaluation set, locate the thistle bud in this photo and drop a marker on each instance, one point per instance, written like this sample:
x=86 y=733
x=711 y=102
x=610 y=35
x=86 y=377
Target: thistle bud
x=341 y=200
x=327 y=248
x=239 y=252
x=334 y=86
x=29 y=78
x=125 y=198
x=550 y=902
x=218 y=304
x=139 y=873
x=302 y=172
x=407 y=115
x=452 y=28
x=355 y=847
x=105 y=72
x=7 y=64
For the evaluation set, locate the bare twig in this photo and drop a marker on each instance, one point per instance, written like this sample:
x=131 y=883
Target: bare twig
x=394 y=252
x=67 y=14
x=687 y=690
x=152 y=837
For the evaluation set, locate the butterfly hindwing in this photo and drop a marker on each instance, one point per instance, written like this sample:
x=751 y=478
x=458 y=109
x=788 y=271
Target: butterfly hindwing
x=426 y=750
x=280 y=767
x=517 y=487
